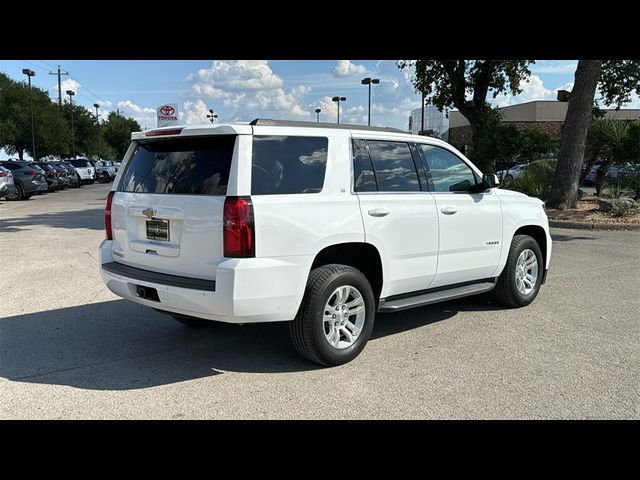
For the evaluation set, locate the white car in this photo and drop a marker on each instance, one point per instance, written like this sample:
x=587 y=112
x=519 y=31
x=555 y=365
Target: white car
x=109 y=167
x=84 y=170
x=513 y=172
x=320 y=225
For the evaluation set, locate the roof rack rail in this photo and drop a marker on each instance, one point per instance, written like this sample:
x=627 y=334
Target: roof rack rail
x=267 y=122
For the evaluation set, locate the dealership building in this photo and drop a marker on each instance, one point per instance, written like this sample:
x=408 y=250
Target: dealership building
x=436 y=123
x=545 y=115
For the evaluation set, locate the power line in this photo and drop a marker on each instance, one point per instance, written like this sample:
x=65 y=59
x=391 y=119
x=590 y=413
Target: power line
x=34 y=64
x=82 y=86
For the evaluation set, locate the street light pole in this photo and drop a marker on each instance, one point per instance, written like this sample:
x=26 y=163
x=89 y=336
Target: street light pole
x=369 y=81
x=211 y=115
x=318 y=110
x=97 y=105
x=338 y=100
x=71 y=93
x=30 y=73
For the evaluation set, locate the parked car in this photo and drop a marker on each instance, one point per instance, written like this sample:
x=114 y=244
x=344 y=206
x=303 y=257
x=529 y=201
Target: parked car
x=7 y=188
x=67 y=174
x=50 y=174
x=109 y=167
x=321 y=226
x=101 y=175
x=512 y=172
x=85 y=171
x=27 y=180
x=616 y=173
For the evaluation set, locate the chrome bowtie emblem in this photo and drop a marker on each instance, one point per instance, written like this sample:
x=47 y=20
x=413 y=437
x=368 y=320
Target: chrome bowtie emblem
x=149 y=213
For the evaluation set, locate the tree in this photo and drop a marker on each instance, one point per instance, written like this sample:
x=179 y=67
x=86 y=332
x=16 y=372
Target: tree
x=614 y=150
x=616 y=80
x=449 y=83
x=117 y=133
x=535 y=143
x=564 y=191
x=51 y=131
x=499 y=143
x=596 y=140
x=85 y=129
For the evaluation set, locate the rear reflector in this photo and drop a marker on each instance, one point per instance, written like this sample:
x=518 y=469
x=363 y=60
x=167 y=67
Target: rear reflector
x=238 y=228
x=107 y=216
x=158 y=133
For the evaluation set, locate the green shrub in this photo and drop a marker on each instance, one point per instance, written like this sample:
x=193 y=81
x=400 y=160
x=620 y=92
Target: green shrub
x=535 y=179
x=621 y=210
x=617 y=190
x=634 y=184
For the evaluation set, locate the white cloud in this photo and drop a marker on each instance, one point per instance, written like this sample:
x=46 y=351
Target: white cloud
x=194 y=112
x=344 y=68
x=532 y=89
x=67 y=84
x=145 y=116
x=247 y=89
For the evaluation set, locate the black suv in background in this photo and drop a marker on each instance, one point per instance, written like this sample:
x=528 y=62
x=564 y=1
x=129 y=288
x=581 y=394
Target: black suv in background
x=50 y=174
x=28 y=180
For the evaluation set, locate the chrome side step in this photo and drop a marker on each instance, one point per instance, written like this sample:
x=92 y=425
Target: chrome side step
x=436 y=296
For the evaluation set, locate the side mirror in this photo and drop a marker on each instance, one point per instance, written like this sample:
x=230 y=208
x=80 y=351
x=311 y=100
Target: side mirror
x=488 y=182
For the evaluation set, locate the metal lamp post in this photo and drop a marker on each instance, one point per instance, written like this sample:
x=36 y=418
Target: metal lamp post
x=318 y=110
x=30 y=73
x=71 y=93
x=211 y=115
x=338 y=100
x=369 y=81
x=97 y=107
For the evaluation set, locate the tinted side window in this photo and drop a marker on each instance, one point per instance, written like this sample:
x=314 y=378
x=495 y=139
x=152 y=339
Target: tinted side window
x=282 y=164
x=11 y=166
x=448 y=172
x=394 y=168
x=194 y=166
x=365 y=179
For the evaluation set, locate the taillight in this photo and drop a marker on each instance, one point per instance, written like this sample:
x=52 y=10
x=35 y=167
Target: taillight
x=238 y=227
x=32 y=173
x=1 y=174
x=158 y=133
x=107 y=216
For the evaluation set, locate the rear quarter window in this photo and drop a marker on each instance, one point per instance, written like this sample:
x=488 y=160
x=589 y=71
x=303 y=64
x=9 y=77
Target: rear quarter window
x=287 y=164
x=192 y=166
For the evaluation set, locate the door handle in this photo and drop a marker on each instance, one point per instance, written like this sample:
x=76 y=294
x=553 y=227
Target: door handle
x=379 y=212
x=449 y=210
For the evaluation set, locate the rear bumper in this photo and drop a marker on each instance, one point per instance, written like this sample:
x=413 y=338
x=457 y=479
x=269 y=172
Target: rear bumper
x=246 y=290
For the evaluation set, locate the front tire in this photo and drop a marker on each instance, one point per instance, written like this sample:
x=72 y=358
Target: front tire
x=520 y=281
x=336 y=316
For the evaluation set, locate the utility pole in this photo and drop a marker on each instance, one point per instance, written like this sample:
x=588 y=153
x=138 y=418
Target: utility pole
x=59 y=74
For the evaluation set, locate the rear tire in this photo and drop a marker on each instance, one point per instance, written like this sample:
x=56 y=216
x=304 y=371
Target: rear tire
x=14 y=196
x=313 y=328
x=518 y=293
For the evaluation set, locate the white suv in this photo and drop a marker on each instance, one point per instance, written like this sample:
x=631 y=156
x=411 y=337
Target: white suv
x=321 y=225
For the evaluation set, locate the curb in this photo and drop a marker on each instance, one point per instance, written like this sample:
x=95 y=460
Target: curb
x=594 y=225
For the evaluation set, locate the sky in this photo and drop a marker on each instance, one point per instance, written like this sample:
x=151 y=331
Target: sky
x=241 y=90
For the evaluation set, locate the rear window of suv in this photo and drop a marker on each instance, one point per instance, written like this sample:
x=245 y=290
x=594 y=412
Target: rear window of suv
x=284 y=164
x=79 y=163
x=193 y=166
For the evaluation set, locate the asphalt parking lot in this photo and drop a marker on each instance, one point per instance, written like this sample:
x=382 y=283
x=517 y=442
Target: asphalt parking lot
x=70 y=349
